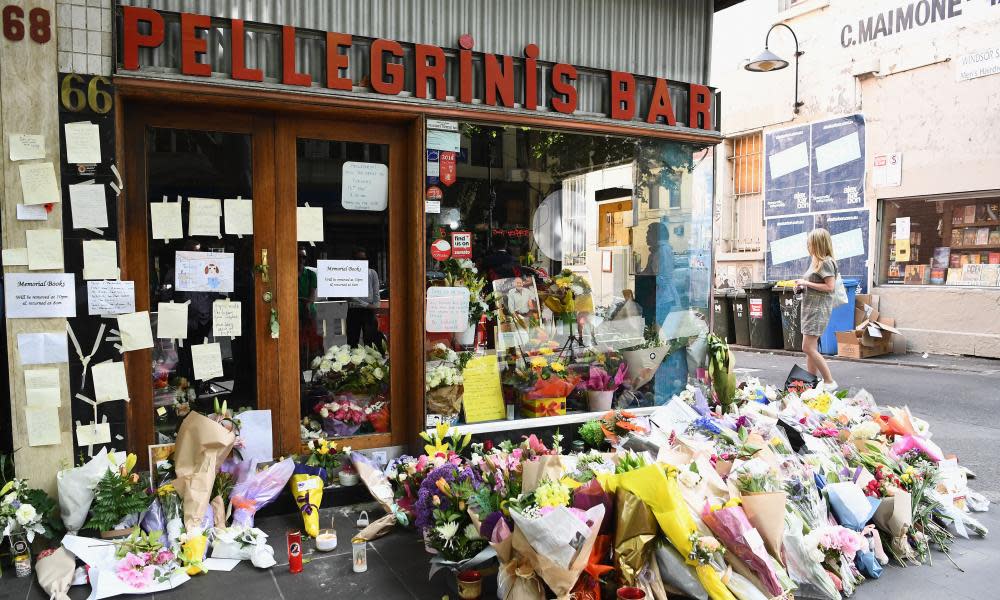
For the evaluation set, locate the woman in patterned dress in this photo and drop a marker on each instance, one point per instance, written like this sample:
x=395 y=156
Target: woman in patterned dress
x=817 y=286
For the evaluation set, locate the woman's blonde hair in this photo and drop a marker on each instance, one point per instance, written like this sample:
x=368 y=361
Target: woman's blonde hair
x=820 y=246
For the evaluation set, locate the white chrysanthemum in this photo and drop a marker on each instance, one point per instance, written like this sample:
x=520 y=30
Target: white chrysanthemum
x=448 y=531
x=25 y=514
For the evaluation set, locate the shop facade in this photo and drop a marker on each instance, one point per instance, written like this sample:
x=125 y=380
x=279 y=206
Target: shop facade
x=371 y=221
x=925 y=185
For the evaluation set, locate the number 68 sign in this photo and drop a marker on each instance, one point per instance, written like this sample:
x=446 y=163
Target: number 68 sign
x=38 y=24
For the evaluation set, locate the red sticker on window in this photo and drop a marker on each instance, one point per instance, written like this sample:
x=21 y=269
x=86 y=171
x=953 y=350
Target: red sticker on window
x=440 y=250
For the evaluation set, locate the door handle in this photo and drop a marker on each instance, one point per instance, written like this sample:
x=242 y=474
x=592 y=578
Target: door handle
x=262 y=268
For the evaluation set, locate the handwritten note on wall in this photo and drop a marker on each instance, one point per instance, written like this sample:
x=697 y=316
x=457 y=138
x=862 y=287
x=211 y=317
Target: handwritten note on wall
x=483 y=399
x=365 y=186
x=447 y=309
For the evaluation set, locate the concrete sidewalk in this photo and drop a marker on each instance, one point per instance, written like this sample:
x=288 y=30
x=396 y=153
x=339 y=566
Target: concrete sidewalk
x=972 y=364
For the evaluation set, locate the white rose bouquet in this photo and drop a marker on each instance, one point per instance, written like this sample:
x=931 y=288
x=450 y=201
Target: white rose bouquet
x=24 y=510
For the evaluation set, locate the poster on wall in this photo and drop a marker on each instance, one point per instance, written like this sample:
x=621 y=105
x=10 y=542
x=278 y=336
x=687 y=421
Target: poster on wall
x=204 y=272
x=849 y=231
x=838 y=165
x=813 y=168
x=787 y=256
x=786 y=172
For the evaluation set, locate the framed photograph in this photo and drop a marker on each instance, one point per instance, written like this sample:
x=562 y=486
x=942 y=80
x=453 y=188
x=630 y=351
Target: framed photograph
x=518 y=309
x=605 y=261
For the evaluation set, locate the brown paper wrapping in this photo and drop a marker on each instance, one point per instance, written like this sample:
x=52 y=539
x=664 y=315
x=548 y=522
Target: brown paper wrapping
x=522 y=581
x=445 y=400
x=651 y=582
x=559 y=580
x=377 y=528
x=894 y=514
x=635 y=532
x=202 y=445
x=550 y=467
x=55 y=573
x=219 y=512
x=766 y=512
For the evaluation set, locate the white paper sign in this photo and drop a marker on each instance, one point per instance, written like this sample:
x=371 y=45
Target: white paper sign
x=888 y=171
x=43 y=348
x=207 y=360
x=449 y=141
x=447 y=309
x=442 y=125
x=83 y=143
x=790 y=248
x=255 y=429
x=93 y=434
x=39 y=295
x=38 y=183
x=309 y=223
x=110 y=297
x=32 y=212
x=44 y=249
x=88 y=206
x=342 y=278
x=42 y=423
x=226 y=318
x=203 y=216
x=172 y=320
x=15 y=257
x=26 y=146
x=166 y=220
x=838 y=152
x=100 y=259
x=365 y=186
x=238 y=216
x=136 y=331
x=902 y=228
x=203 y=271
x=42 y=388
x=433 y=168
x=109 y=381
x=789 y=160
x=848 y=244
x=432 y=207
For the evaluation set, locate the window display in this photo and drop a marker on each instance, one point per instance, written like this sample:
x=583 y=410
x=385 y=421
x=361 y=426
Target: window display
x=566 y=273
x=939 y=242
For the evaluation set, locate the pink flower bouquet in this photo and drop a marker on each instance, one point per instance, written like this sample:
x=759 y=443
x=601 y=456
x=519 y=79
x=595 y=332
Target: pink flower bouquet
x=731 y=526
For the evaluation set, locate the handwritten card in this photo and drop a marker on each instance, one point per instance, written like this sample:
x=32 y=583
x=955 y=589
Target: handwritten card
x=42 y=423
x=172 y=320
x=483 y=399
x=42 y=348
x=32 y=212
x=447 y=309
x=226 y=318
x=238 y=216
x=88 y=206
x=110 y=297
x=83 y=143
x=309 y=223
x=203 y=216
x=100 y=259
x=41 y=387
x=166 y=220
x=109 y=381
x=39 y=295
x=93 y=434
x=38 y=183
x=136 y=331
x=44 y=249
x=26 y=146
x=207 y=360
x=365 y=186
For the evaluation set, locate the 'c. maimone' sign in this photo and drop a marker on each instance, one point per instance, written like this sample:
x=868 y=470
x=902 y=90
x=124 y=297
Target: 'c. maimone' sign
x=429 y=65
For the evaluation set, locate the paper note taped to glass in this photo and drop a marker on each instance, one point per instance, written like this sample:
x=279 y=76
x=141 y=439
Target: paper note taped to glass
x=204 y=272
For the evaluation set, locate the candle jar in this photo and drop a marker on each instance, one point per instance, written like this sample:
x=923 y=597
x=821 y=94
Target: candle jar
x=470 y=585
x=630 y=593
x=326 y=540
x=359 y=552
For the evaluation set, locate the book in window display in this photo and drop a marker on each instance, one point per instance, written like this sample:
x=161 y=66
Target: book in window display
x=992 y=210
x=982 y=236
x=969 y=237
x=995 y=236
x=942 y=257
x=970 y=214
x=994 y=258
x=957 y=215
x=917 y=275
x=938 y=275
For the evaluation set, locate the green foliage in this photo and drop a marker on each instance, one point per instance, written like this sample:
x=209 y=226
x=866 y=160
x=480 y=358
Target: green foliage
x=47 y=507
x=138 y=542
x=720 y=371
x=591 y=433
x=630 y=462
x=119 y=494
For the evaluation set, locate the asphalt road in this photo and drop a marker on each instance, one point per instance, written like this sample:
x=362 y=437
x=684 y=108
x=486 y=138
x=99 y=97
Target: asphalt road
x=961 y=407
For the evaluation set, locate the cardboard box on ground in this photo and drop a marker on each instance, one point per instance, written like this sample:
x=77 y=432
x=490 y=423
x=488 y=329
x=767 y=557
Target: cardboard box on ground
x=874 y=334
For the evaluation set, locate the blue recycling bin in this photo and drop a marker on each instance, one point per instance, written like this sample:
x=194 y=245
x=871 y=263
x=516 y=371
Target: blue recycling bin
x=841 y=319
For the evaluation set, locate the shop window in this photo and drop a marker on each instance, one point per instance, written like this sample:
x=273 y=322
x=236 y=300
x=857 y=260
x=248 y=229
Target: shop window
x=583 y=257
x=343 y=333
x=941 y=242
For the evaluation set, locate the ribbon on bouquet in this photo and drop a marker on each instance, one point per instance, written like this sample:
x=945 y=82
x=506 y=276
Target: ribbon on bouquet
x=306 y=507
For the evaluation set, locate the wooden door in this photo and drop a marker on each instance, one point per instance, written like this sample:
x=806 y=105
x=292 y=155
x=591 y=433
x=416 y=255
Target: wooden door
x=177 y=155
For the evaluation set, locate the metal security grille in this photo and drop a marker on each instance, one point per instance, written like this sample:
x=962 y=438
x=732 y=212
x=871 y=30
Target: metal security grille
x=746 y=230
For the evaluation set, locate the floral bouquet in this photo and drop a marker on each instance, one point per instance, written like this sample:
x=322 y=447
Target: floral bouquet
x=243 y=543
x=568 y=296
x=306 y=484
x=616 y=424
x=139 y=564
x=442 y=513
x=119 y=499
x=463 y=273
x=601 y=386
x=835 y=548
x=763 y=502
x=323 y=452
x=805 y=562
x=256 y=489
x=443 y=381
x=730 y=525
x=341 y=417
x=25 y=510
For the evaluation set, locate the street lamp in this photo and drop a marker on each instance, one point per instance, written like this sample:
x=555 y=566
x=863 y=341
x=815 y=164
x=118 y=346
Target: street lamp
x=769 y=61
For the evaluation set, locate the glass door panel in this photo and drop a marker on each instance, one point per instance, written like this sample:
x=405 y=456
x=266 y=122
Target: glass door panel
x=207 y=269
x=343 y=286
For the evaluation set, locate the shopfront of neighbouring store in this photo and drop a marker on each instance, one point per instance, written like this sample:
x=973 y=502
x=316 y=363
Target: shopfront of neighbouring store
x=367 y=236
